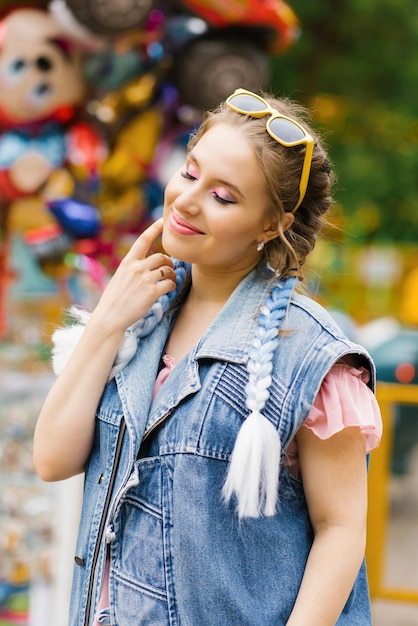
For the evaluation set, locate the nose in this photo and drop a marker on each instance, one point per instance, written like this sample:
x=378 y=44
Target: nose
x=44 y=64
x=188 y=201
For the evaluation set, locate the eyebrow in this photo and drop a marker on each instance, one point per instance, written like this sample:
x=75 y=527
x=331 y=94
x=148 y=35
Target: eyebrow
x=221 y=181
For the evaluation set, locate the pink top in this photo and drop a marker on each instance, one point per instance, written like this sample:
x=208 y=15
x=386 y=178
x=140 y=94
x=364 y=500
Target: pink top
x=343 y=400
x=164 y=373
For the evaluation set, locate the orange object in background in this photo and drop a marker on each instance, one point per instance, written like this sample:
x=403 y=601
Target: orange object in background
x=388 y=395
x=408 y=306
x=275 y=20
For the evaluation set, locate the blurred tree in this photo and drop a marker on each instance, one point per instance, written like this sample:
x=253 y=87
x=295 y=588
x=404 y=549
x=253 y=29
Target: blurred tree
x=356 y=65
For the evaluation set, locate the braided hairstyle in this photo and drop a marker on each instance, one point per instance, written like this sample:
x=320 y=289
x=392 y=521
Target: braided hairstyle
x=253 y=473
x=282 y=167
x=254 y=469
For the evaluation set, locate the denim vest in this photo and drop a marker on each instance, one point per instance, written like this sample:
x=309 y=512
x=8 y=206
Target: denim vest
x=179 y=555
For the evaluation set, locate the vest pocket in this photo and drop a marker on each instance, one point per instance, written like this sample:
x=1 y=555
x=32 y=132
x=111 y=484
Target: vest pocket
x=133 y=605
x=137 y=565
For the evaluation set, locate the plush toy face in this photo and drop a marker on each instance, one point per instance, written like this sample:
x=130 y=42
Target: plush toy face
x=40 y=69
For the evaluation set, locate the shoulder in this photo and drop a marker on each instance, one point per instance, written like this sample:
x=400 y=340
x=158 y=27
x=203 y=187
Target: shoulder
x=313 y=334
x=305 y=311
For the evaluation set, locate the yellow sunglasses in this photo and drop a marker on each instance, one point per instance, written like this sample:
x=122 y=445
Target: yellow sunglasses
x=283 y=129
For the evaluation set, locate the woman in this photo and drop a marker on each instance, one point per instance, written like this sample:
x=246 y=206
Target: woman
x=224 y=435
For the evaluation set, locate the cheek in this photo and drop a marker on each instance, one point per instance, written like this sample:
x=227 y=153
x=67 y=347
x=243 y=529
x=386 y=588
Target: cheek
x=235 y=228
x=172 y=189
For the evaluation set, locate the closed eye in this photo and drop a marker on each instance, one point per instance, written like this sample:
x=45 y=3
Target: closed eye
x=222 y=200
x=188 y=176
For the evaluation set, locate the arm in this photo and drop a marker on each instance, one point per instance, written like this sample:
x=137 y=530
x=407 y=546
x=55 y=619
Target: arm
x=335 y=483
x=65 y=428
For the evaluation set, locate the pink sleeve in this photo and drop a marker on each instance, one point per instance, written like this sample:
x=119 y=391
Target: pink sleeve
x=345 y=400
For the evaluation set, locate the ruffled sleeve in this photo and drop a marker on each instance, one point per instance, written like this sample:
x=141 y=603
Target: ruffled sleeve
x=344 y=400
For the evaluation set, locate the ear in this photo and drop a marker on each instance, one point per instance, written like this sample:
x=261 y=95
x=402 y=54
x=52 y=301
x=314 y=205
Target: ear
x=287 y=221
x=275 y=226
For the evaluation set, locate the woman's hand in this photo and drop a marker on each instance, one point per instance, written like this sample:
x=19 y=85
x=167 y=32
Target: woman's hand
x=65 y=429
x=137 y=283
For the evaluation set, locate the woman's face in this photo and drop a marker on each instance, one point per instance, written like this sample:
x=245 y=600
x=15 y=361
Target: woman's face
x=215 y=208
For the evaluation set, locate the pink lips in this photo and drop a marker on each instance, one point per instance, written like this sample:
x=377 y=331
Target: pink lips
x=178 y=225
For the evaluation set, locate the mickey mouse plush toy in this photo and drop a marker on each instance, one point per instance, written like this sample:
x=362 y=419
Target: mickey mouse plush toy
x=40 y=86
x=42 y=89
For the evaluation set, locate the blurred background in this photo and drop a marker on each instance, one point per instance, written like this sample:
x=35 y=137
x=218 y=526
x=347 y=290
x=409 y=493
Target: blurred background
x=97 y=100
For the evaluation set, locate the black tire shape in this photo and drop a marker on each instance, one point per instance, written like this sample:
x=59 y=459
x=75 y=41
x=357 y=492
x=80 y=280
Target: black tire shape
x=209 y=69
x=110 y=17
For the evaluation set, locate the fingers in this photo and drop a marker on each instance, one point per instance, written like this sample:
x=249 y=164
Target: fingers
x=134 y=288
x=142 y=245
x=138 y=282
x=163 y=272
x=140 y=249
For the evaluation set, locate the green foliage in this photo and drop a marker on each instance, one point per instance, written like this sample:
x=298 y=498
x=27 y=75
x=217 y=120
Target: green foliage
x=356 y=66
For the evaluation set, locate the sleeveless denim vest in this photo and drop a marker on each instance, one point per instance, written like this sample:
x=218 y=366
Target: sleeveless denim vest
x=152 y=497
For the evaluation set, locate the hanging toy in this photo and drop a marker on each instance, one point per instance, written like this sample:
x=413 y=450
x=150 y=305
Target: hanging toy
x=42 y=90
x=40 y=87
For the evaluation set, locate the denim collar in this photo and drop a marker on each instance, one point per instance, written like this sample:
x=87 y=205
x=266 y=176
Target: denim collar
x=228 y=338
x=232 y=332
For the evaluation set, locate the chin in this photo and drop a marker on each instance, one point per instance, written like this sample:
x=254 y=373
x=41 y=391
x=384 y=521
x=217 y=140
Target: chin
x=167 y=243
x=174 y=248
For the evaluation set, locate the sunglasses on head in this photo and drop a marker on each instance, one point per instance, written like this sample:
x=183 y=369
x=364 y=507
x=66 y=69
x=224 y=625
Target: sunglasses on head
x=283 y=129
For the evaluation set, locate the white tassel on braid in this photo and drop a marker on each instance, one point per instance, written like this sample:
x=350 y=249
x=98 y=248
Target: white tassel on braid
x=65 y=339
x=253 y=474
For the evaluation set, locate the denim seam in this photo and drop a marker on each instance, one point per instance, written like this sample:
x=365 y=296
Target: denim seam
x=148 y=590
x=206 y=452
x=144 y=506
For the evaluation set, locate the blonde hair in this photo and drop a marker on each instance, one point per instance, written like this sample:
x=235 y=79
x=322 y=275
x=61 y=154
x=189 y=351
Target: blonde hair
x=282 y=167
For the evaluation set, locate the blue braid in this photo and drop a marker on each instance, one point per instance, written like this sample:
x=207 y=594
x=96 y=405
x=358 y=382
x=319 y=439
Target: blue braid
x=153 y=317
x=260 y=364
x=253 y=473
x=149 y=322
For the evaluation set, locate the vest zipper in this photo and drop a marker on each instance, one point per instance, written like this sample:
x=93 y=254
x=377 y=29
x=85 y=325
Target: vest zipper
x=157 y=424
x=103 y=519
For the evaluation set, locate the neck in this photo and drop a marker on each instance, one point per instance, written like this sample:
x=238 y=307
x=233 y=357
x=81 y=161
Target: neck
x=212 y=287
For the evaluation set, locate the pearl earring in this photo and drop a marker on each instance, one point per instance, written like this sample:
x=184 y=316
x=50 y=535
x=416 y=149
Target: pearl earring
x=260 y=246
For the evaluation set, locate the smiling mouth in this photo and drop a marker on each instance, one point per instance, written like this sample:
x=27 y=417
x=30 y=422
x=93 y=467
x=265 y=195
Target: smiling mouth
x=181 y=226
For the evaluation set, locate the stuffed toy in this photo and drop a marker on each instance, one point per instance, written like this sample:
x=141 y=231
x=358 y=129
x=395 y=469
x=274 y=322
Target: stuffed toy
x=42 y=138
